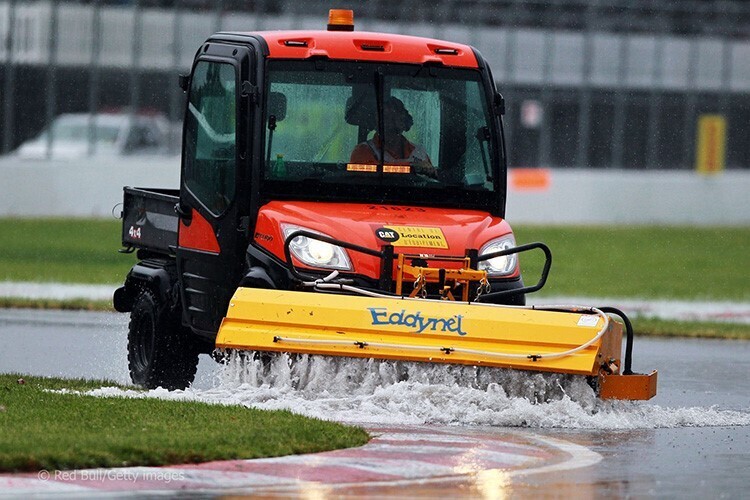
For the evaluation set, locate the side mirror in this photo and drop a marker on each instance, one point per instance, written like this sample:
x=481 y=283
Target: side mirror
x=184 y=82
x=277 y=105
x=499 y=102
x=183 y=211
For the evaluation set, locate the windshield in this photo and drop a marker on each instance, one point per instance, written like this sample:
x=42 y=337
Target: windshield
x=399 y=127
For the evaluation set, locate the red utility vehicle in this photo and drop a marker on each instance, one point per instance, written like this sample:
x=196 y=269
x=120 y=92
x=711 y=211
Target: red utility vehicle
x=272 y=195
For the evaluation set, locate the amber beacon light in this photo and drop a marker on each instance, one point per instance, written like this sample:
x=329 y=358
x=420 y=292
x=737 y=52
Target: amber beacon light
x=340 y=20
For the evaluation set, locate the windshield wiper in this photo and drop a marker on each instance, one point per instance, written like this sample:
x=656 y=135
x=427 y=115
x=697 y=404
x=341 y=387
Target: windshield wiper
x=483 y=138
x=379 y=98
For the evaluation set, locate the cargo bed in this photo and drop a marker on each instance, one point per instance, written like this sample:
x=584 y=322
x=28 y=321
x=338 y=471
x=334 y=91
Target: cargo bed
x=149 y=219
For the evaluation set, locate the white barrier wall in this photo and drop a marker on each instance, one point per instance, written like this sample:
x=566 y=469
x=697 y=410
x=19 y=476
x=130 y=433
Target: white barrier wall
x=78 y=188
x=93 y=187
x=587 y=196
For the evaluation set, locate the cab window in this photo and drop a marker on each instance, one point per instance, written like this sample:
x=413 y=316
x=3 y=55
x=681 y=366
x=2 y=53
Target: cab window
x=324 y=123
x=210 y=136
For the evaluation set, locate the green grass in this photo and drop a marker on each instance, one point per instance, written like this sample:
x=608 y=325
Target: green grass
x=56 y=431
x=61 y=304
x=64 y=250
x=643 y=262
x=651 y=327
x=687 y=263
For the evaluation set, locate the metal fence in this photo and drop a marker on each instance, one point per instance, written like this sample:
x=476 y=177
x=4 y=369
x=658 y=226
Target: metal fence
x=599 y=83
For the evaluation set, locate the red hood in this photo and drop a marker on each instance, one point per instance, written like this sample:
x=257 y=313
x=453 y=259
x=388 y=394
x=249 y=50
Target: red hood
x=416 y=230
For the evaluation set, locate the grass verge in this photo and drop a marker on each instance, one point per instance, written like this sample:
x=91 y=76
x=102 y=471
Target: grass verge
x=61 y=304
x=594 y=261
x=650 y=327
x=63 y=250
x=687 y=263
x=57 y=431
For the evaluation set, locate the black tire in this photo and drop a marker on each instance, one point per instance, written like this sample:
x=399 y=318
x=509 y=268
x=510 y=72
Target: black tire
x=160 y=352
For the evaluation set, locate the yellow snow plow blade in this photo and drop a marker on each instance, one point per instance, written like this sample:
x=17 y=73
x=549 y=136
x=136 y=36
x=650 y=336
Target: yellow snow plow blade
x=433 y=331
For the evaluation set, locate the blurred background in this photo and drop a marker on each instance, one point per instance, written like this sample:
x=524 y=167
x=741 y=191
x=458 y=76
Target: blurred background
x=623 y=85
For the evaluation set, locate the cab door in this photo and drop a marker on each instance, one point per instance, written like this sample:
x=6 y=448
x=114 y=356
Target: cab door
x=211 y=237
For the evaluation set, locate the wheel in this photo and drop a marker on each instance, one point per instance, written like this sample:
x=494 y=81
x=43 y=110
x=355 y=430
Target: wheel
x=160 y=352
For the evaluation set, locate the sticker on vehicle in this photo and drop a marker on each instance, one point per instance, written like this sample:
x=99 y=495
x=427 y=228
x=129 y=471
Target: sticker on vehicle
x=408 y=236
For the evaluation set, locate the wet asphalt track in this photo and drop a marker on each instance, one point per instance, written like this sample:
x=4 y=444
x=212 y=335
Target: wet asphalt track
x=694 y=462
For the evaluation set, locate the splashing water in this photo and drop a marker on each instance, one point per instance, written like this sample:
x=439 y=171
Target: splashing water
x=367 y=391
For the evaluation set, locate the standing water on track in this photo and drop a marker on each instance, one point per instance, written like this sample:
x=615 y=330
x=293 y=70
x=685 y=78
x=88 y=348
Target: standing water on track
x=367 y=391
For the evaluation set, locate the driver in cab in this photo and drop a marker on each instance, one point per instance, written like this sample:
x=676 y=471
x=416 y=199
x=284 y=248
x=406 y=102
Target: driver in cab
x=397 y=148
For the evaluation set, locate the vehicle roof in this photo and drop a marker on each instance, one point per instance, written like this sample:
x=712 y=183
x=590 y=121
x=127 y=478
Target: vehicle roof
x=364 y=46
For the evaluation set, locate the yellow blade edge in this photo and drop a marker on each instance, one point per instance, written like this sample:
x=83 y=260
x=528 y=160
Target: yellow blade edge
x=416 y=330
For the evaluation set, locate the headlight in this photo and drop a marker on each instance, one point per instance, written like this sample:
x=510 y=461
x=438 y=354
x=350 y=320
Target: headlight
x=314 y=252
x=499 y=266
